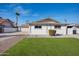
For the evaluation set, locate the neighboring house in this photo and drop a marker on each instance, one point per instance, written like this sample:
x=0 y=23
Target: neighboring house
x=25 y=28
x=43 y=26
x=7 y=25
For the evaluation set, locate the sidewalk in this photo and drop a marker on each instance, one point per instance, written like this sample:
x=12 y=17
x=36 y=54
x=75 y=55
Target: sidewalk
x=8 y=42
x=47 y=36
x=12 y=34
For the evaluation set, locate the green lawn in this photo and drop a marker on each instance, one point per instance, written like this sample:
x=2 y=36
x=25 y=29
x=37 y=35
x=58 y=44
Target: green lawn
x=45 y=47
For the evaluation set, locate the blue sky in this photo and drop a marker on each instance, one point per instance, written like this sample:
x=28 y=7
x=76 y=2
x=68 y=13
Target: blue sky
x=38 y=11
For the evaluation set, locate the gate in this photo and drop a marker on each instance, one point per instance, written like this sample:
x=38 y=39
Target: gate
x=1 y=30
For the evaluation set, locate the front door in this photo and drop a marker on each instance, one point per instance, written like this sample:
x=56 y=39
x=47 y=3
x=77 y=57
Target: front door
x=74 y=31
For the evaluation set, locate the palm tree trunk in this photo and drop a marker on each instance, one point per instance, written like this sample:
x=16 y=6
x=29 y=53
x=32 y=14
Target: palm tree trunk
x=17 y=22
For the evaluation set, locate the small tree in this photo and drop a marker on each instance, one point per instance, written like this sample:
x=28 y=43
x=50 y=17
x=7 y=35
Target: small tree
x=52 y=32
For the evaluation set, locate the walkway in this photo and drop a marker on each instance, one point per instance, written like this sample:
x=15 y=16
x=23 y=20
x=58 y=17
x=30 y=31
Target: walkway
x=46 y=36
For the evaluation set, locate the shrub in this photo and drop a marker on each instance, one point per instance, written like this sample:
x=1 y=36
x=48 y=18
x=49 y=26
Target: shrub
x=52 y=32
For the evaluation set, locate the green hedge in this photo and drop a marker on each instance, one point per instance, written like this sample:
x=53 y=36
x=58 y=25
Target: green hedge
x=52 y=32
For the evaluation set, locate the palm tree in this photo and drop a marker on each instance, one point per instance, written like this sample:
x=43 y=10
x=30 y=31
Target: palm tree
x=17 y=15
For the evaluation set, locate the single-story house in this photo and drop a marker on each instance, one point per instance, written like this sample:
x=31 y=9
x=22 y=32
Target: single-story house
x=43 y=26
x=7 y=25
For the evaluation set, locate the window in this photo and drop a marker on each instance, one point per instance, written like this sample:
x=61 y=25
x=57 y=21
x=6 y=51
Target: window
x=69 y=26
x=57 y=27
x=38 y=27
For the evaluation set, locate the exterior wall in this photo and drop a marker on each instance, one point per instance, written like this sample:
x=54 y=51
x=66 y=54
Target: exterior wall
x=77 y=30
x=62 y=30
x=42 y=31
x=45 y=30
x=70 y=30
x=25 y=30
x=10 y=29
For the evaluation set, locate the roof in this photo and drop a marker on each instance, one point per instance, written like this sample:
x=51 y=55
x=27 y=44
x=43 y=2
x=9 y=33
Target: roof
x=11 y=22
x=76 y=25
x=3 y=21
x=46 y=21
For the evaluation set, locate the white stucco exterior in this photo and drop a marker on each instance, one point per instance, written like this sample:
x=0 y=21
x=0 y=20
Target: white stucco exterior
x=62 y=30
x=42 y=31
x=26 y=30
x=77 y=30
x=45 y=30
x=10 y=29
x=43 y=26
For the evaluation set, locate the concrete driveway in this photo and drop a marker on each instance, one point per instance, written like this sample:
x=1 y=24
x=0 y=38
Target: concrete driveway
x=12 y=34
x=5 y=36
x=7 y=40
